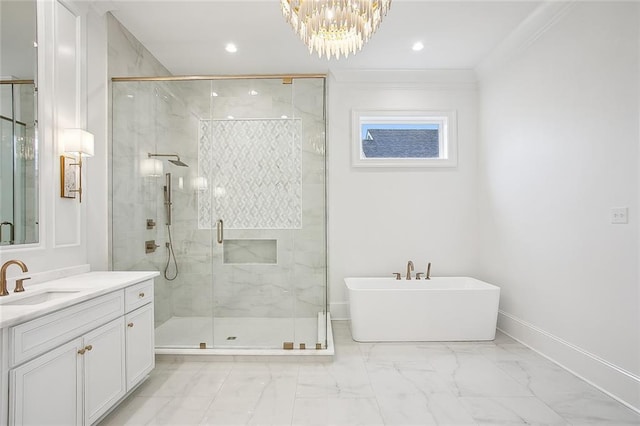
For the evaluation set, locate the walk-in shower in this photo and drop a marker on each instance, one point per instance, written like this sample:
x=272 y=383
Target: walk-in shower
x=245 y=213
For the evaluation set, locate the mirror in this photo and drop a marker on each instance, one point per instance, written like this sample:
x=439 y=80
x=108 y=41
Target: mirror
x=19 y=189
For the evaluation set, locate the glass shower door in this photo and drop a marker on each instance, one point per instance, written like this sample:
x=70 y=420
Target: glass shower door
x=252 y=157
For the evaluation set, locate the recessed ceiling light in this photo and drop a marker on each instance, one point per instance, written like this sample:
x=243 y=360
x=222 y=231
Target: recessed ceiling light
x=214 y=94
x=283 y=116
x=253 y=93
x=231 y=48
x=230 y=117
x=417 y=46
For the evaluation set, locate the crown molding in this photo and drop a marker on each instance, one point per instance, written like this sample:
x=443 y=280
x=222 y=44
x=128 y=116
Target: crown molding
x=406 y=79
x=541 y=20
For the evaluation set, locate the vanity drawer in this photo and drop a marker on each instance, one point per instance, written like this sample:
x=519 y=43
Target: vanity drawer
x=138 y=295
x=37 y=336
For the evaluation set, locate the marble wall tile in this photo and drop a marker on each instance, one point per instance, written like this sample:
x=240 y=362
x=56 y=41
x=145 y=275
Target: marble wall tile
x=127 y=56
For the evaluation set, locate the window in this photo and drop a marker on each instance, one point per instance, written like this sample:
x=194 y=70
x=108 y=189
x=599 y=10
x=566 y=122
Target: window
x=404 y=138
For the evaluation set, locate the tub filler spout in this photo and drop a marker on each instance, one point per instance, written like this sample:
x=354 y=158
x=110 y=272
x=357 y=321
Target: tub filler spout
x=409 y=269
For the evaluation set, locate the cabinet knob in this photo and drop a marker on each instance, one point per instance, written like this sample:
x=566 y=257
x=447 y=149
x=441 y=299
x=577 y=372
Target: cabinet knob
x=130 y=325
x=82 y=351
x=141 y=295
x=88 y=347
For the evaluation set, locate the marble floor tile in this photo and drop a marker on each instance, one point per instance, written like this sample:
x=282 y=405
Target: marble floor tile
x=337 y=411
x=401 y=379
x=541 y=376
x=205 y=384
x=465 y=384
x=182 y=411
x=508 y=352
x=168 y=383
x=253 y=399
x=511 y=411
x=448 y=410
x=470 y=374
x=406 y=410
x=137 y=410
x=393 y=351
x=590 y=407
x=334 y=384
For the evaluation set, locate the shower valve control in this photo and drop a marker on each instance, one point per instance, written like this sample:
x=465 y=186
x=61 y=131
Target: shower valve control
x=150 y=246
x=150 y=223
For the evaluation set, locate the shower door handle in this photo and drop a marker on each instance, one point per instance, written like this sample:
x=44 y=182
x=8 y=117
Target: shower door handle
x=220 y=231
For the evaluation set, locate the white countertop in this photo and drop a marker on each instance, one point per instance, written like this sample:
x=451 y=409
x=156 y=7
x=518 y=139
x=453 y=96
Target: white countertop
x=81 y=287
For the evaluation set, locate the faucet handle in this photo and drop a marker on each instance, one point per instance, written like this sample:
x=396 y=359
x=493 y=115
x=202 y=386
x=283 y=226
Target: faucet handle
x=397 y=274
x=418 y=275
x=19 y=286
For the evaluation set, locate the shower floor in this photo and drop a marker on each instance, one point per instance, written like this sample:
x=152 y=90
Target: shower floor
x=239 y=333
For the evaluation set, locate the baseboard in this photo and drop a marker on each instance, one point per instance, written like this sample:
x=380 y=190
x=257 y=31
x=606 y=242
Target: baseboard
x=339 y=310
x=611 y=379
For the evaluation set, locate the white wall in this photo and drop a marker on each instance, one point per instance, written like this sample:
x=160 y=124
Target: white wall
x=558 y=149
x=381 y=218
x=64 y=101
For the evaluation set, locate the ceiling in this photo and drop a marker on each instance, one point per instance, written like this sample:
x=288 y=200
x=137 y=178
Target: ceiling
x=189 y=37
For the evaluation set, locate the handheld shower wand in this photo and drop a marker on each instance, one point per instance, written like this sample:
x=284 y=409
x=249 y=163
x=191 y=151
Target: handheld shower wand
x=171 y=254
x=167 y=197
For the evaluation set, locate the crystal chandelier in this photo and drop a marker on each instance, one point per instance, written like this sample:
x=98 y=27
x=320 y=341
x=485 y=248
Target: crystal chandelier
x=335 y=27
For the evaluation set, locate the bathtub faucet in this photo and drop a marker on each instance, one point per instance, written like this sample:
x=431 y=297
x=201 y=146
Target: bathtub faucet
x=428 y=277
x=409 y=269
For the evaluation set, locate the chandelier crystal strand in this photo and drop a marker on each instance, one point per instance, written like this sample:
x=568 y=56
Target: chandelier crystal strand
x=334 y=27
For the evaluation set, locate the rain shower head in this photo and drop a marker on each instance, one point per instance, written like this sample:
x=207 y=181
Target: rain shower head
x=177 y=161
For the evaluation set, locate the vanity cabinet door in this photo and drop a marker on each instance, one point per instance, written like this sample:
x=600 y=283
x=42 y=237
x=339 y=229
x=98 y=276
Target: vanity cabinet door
x=44 y=391
x=139 y=344
x=104 y=369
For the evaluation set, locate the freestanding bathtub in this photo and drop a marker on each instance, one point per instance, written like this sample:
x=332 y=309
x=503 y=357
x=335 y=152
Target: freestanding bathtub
x=439 y=309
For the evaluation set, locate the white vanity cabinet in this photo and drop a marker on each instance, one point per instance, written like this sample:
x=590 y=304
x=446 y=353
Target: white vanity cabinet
x=72 y=366
x=88 y=374
x=140 y=343
x=140 y=357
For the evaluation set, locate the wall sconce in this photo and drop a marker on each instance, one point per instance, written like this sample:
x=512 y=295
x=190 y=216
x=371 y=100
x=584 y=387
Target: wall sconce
x=78 y=143
x=151 y=168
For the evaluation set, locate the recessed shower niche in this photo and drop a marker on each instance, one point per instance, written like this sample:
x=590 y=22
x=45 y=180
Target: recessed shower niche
x=250 y=252
x=241 y=221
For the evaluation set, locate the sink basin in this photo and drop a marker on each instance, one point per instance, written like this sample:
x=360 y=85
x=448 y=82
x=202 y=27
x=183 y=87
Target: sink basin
x=43 y=297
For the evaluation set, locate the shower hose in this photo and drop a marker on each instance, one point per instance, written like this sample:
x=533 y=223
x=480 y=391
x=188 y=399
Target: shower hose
x=170 y=255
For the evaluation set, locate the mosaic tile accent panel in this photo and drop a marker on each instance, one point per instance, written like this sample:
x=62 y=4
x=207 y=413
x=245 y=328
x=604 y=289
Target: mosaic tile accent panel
x=254 y=173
